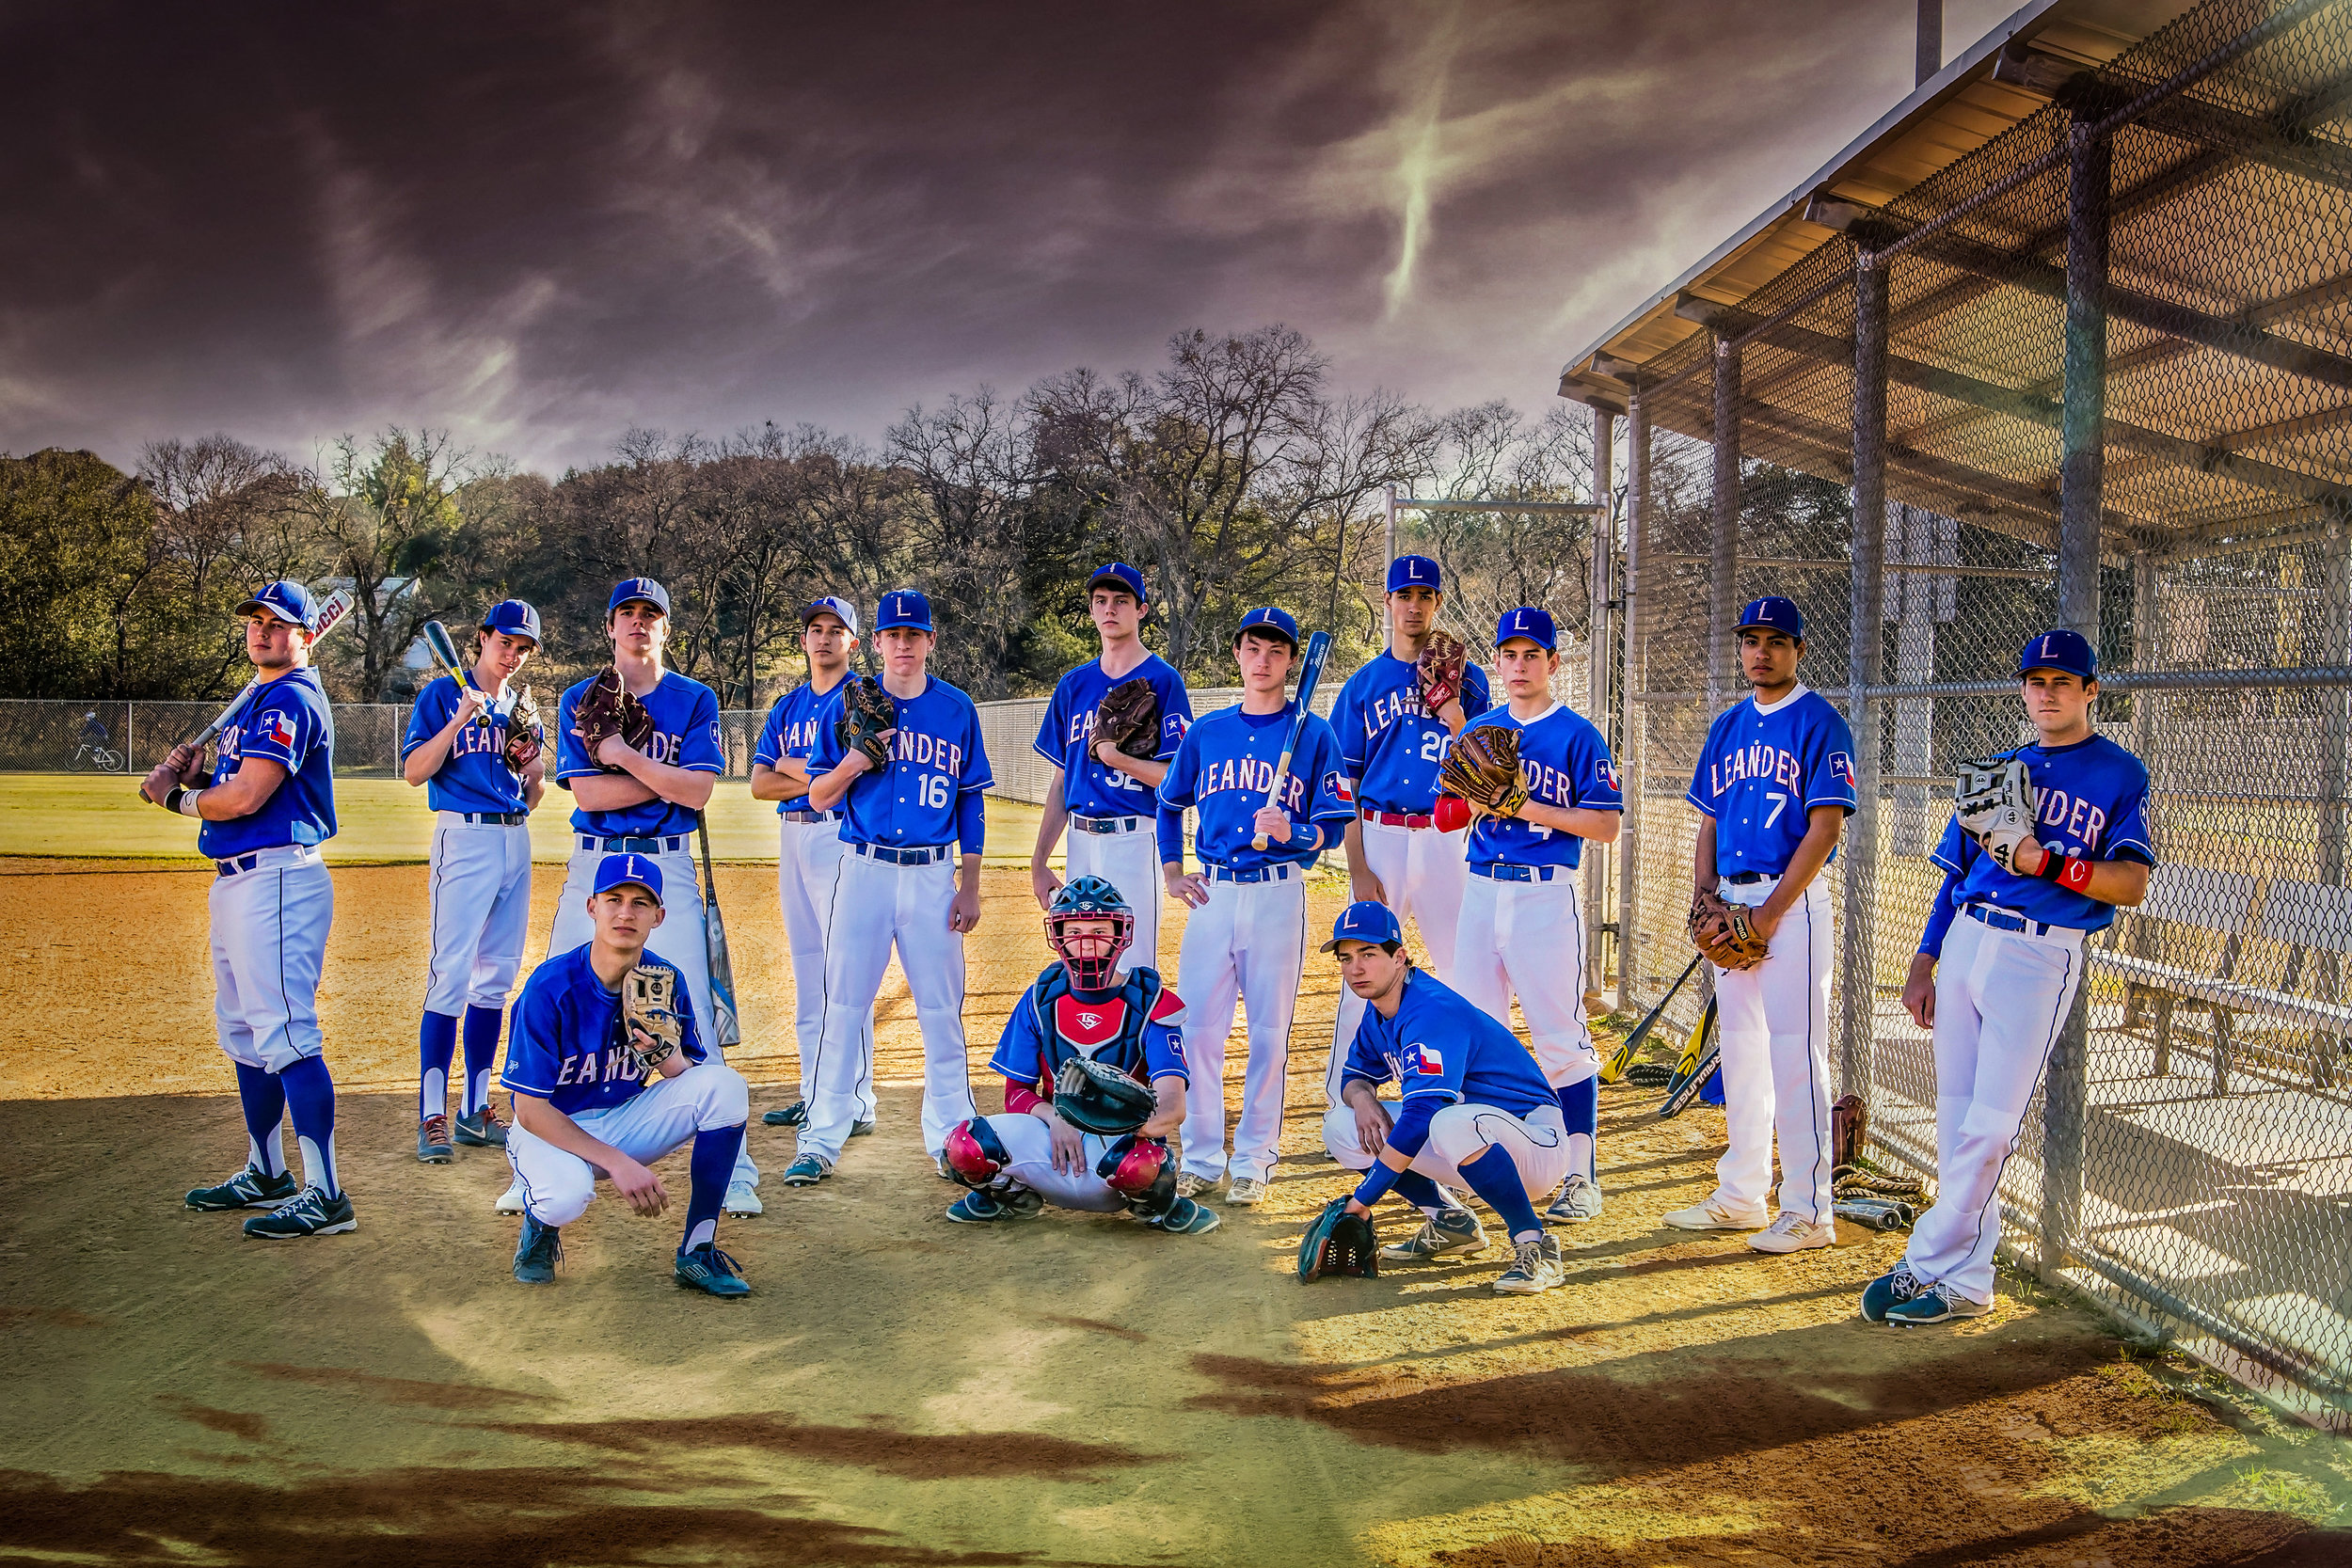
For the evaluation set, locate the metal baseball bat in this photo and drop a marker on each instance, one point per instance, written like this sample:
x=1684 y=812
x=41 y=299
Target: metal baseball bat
x=443 y=648
x=1699 y=1060
x=1309 y=672
x=1622 y=1058
x=726 y=1026
x=331 y=616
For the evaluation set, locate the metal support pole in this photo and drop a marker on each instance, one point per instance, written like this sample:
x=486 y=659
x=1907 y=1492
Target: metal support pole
x=1927 y=57
x=1864 y=656
x=1597 y=704
x=1388 y=625
x=1724 y=559
x=1630 y=737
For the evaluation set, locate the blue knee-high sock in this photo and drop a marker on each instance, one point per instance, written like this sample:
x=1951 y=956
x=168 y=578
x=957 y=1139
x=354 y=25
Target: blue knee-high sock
x=707 y=1170
x=482 y=1051
x=310 y=1095
x=1579 y=1107
x=436 y=1040
x=1421 y=1193
x=1494 y=1177
x=265 y=1100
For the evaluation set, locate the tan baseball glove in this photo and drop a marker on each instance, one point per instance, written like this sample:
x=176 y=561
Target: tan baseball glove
x=1440 y=670
x=649 y=1005
x=607 y=708
x=1723 y=932
x=1483 y=768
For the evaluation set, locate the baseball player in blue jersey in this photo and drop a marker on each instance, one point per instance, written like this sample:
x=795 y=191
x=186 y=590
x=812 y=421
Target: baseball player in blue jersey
x=646 y=802
x=457 y=748
x=596 y=1096
x=900 y=883
x=1774 y=787
x=1100 y=793
x=1999 y=963
x=808 y=847
x=267 y=806
x=1476 y=1110
x=1083 y=1004
x=1521 y=930
x=1247 y=931
x=1390 y=742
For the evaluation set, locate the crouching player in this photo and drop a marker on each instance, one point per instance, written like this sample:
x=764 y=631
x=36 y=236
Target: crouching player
x=1017 y=1162
x=581 y=1110
x=1476 y=1110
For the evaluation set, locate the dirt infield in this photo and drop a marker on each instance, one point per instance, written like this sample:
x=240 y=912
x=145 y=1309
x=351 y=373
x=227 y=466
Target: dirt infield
x=901 y=1390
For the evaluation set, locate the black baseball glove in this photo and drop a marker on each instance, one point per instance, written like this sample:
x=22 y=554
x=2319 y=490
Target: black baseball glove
x=1338 y=1243
x=866 y=710
x=1129 y=718
x=1095 y=1096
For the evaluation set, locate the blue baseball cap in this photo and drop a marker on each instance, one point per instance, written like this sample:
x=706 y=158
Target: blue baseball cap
x=1269 y=618
x=1775 y=613
x=638 y=588
x=1365 y=921
x=2060 y=649
x=1118 y=574
x=829 y=604
x=514 y=617
x=903 y=607
x=1414 y=570
x=1528 y=621
x=619 y=870
x=289 y=601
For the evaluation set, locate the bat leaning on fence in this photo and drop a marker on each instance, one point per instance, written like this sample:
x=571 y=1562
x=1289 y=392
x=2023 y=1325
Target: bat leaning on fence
x=1700 y=1058
x=1614 y=1067
x=1309 y=673
x=331 y=616
x=726 y=1029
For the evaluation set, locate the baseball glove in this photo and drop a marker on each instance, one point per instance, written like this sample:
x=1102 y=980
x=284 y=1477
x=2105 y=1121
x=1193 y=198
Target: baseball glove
x=1849 y=1129
x=608 y=708
x=1095 y=1096
x=1338 y=1243
x=1440 y=670
x=1723 y=932
x=649 y=1005
x=1483 y=768
x=525 y=735
x=1995 y=804
x=866 y=710
x=1129 y=718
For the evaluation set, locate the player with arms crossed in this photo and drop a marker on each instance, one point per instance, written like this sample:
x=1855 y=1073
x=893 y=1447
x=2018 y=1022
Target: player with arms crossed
x=913 y=789
x=1247 y=932
x=1476 y=1110
x=1395 y=717
x=1084 y=1009
x=1774 y=787
x=477 y=749
x=267 y=808
x=808 y=848
x=1110 y=731
x=1521 y=931
x=604 y=1083
x=2043 y=847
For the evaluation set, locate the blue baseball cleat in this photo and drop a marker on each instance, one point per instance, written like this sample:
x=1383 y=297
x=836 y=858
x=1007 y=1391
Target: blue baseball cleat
x=985 y=1207
x=709 y=1270
x=311 y=1213
x=537 y=1254
x=1888 y=1291
x=247 y=1189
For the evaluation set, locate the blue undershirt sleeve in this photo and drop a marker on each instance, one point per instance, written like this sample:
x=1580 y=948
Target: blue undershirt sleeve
x=972 y=822
x=1407 y=1137
x=1940 y=917
x=1172 y=834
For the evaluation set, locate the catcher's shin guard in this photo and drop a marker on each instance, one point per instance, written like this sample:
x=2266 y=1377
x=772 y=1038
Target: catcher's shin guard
x=1143 y=1172
x=975 y=1152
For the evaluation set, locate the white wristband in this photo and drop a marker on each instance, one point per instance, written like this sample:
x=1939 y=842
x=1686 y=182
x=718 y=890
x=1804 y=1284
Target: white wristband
x=187 y=803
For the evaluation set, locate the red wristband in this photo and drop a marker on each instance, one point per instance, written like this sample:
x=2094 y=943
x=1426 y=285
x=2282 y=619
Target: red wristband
x=2071 y=872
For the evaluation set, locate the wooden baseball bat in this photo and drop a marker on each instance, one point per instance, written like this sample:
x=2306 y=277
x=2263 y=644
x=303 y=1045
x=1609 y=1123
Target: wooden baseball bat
x=1309 y=673
x=331 y=616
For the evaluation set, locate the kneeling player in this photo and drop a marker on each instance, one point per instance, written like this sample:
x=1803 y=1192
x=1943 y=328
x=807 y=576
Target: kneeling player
x=1017 y=1162
x=1476 y=1110
x=595 y=1095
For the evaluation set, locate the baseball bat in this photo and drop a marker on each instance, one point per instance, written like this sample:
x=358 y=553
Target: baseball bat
x=1700 y=1058
x=726 y=1028
x=1309 y=673
x=1614 y=1068
x=443 y=648
x=331 y=616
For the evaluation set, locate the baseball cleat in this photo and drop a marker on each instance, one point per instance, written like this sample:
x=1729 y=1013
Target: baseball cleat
x=1453 y=1230
x=310 y=1212
x=791 y=1116
x=984 y=1208
x=1186 y=1218
x=742 y=1199
x=1578 y=1200
x=946 y=1172
x=537 y=1253
x=712 y=1272
x=511 y=1201
x=1192 y=1185
x=1245 y=1191
x=1537 y=1267
x=1794 y=1233
x=1889 y=1290
x=860 y=1129
x=247 y=1189
x=1710 y=1215
x=433 y=1142
x=806 y=1171
x=482 y=1129
x=1937 y=1304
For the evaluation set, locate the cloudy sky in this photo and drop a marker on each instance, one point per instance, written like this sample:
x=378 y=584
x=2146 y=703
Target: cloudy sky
x=540 y=224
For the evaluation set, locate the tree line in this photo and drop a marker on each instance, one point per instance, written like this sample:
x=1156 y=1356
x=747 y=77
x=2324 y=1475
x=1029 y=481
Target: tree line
x=1235 y=474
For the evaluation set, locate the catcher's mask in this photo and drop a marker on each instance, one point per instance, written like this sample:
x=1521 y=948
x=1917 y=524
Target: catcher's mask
x=1091 y=958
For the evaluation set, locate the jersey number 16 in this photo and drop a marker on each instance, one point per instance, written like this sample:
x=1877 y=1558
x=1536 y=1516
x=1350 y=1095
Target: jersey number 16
x=935 y=791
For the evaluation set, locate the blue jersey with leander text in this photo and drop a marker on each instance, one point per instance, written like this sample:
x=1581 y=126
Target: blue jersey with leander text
x=474 y=776
x=936 y=759
x=2093 y=801
x=1225 y=768
x=1762 y=771
x=685 y=735
x=287 y=720
x=791 y=731
x=1439 y=1044
x=1390 y=744
x=1065 y=736
x=566 y=1043
x=1563 y=762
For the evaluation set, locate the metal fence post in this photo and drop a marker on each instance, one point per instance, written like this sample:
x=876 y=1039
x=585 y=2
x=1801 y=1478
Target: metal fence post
x=1858 y=955
x=1597 y=704
x=1631 y=738
x=1723 y=548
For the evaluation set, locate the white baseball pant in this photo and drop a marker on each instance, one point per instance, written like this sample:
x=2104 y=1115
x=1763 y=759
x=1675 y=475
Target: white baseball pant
x=2000 y=999
x=1130 y=862
x=1771 y=1025
x=1249 y=937
x=807 y=854
x=269 y=926
x=558 y=1185
x=1031 y=1145
x=1537 y=1143
x=481 y=903
x=877 y=906
x=1423 y=876
x=1527 y=939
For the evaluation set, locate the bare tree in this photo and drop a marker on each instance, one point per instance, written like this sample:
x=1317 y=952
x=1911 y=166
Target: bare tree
x=1498 y=560
x=388 y=517
x=228 y=519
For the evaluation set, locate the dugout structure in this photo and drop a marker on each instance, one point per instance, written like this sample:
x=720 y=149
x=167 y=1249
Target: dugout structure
x=2066 y=338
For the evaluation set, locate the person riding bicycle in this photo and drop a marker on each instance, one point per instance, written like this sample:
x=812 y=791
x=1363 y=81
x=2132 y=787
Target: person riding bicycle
x=93 y=733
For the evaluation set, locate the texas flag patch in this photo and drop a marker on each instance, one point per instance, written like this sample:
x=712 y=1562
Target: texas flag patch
x=1342 y=788
x=278 y=730
x=1605 y=773
x=1425 y=1060
x=1841 y=767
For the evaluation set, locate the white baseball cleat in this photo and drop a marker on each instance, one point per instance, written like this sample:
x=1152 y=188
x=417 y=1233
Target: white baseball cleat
x=742 y=1199
x=1710 y=1215
x=1794 y=1233
x=1245 y=1191
x=511 y=1201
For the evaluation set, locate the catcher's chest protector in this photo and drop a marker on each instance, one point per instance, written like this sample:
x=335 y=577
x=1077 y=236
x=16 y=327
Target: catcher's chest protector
x=1109 y=1030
